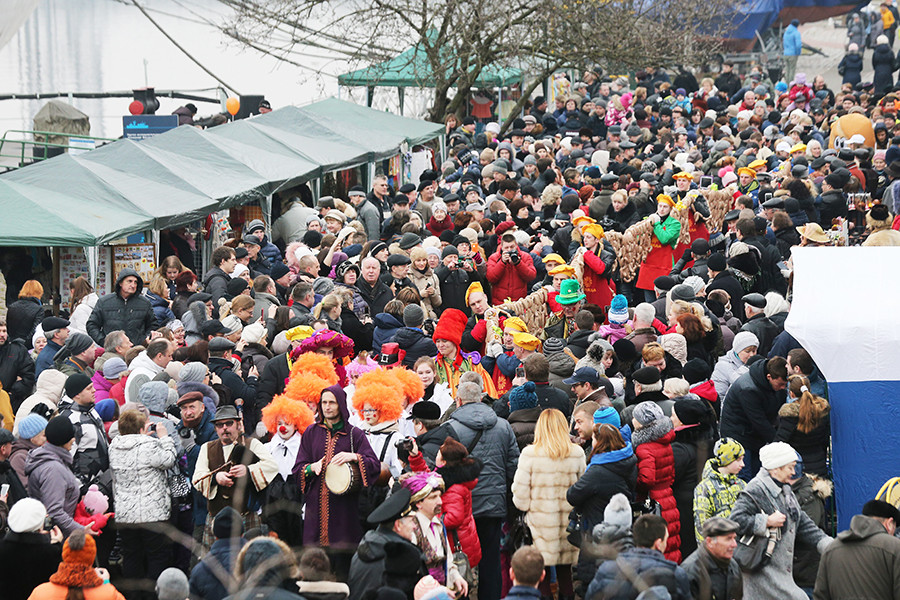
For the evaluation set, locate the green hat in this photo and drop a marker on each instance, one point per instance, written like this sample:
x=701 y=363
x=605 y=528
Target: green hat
x=570 y=292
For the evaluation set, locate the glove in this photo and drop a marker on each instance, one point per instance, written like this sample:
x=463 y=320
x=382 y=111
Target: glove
x=687 y=254
x=494 y=349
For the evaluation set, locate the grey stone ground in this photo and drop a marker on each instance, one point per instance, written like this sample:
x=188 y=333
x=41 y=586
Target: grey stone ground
x=831 y=40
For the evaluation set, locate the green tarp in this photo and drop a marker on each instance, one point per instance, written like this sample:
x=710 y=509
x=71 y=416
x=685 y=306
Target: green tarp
x=410 y=68
x=184 y=174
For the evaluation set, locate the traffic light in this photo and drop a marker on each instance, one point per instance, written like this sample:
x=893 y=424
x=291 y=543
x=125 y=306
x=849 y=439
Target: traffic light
x=147 y=97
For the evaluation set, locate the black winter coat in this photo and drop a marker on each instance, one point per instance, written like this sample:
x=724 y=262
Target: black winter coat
x=765 y=331
x=591 y=493
x=852 y=65
x=416 y=345
x=22 y=318
x=618 y=583
x=690 y=456
x=453 y=287
x=750 y=409
x=833 y=204
x=813 y=445
x=578 y=342
x=710 y=581
x=271 y=380
x=245 y=390
x=430 y=442
x=726 y=282
x=134 y=316
x=367 y=566
x=883 y=63
x=15 y=362
x=26 y=561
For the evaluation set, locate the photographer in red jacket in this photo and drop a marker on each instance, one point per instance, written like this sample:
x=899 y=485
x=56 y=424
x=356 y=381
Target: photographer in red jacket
x=509 y=270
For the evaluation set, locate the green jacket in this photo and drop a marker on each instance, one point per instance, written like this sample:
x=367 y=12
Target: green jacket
x=715 y=495
x=667 y=231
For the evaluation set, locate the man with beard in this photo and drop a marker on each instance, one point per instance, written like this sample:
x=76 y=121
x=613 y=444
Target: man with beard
x=194 y=430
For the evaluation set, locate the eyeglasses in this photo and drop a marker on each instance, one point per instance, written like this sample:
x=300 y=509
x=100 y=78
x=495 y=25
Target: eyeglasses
x=369 y=411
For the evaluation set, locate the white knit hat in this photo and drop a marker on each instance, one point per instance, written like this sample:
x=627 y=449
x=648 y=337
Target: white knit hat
x=777 y=454
x=743 y=340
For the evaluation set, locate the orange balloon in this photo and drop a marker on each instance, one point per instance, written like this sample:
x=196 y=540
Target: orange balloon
x=233 y=105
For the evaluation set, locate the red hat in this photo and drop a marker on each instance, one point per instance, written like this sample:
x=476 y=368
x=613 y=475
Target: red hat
x=504 y=226
x=451 y=326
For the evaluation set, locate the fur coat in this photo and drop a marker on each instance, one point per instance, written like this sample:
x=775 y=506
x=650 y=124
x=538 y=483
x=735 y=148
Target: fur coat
x=539 y=490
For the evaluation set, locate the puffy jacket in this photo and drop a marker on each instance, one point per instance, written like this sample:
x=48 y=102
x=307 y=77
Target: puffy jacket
x=16 y=371
x=142 y=369
x=791 y=40
x=611 y=583
x=415 y=343
x=205 y=581
x=862 y=562
x=386 y=327
x=523 y=422
x=430 y=304
x=139 y=463
x=22 y=318
x=608 y=474
x=52 y=591
x=367 y=565
x=161 y=311
x=656 y=474
x=539 y=490
x=102 y=385
x=714 y=496
x=851 y=67
x=48 y=393
x=509 y=280
x=750 y=409
x=728 y=368
x=51 y=480
x=496 y=449
x=134 y=316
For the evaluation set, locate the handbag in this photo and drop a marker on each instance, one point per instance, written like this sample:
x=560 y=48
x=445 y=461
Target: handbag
x=520 y=533
x=461 y=561
x=753 y=552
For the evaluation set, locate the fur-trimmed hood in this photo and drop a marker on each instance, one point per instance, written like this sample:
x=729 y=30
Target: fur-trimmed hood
x=658 y=431
x=792 y=409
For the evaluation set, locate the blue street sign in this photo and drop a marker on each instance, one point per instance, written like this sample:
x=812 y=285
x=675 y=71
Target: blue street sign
x=141 y=127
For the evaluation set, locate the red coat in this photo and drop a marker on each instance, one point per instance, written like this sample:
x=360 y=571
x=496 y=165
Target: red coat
x=509 y=280
x=656 y=474
x=456 y=505
x=598 y=288
x=438 y=227
x=661 y=258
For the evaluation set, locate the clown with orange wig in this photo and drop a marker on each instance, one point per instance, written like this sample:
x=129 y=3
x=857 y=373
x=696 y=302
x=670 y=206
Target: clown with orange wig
x=378 y=400
x=335 y=346
x=285 y=419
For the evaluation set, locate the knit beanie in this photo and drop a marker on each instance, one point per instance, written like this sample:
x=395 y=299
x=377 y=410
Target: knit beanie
x=76 y=383
x=233 y=324
x=59 y=431
x=253 y=333
x=777 y=454
x=522 y=397
x=77 y=343
x=114 y=367
x=743 y=340
x=618 y=511
x=618 y=310
x=413 y=315
x=193 y=371
x=26 y=516
x=172 y=584
x=236 y=286
x=31 y=425
x=77 y=566
x=727 y=450
x=554 y=345
x=647 y=413
x=228 y=524
x=607 y=414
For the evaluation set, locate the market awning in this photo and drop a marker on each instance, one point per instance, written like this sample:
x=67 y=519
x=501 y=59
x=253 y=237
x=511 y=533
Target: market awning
x=184 y=174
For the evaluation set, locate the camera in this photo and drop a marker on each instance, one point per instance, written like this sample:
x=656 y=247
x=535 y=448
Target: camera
x=460 y=263
x=405 y=444
x=514 y=258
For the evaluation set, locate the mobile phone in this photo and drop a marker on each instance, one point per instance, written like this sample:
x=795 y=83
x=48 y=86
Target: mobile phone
x=520 y=371
x=4 y=489
x=705 y=182
x=48 y=523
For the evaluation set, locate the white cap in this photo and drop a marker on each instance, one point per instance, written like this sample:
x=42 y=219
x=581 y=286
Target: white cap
x=856 y=138
x=782 y=147
x=777 y=454
x=27 y=516
x=493 y=127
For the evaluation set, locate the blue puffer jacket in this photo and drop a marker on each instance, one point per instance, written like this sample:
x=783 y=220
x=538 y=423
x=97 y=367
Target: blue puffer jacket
x=204 y=580
x=161 y=309
x=791 y=40
x=386 y=327
x=610 y=583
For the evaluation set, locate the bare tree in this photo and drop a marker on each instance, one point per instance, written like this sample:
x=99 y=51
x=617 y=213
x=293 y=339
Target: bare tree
x=456 y=41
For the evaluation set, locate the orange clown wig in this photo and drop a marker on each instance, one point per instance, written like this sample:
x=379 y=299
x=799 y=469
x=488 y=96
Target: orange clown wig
x=310 y=363
x=379 y=389
x=283 y=408
x=410 y=385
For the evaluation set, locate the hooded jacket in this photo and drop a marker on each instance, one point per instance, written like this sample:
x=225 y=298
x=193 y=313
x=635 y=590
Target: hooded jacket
x=416 y=345
x=608 y=474
x=862 y=562
x=134 y=316
x=714 y=496
x=750 y=408
x=48 y=393
x=728 y=368
x=51 y=480
x=139 y=464
x=141 y=370
x=16 y=370
x=612 y=582
x=386 y=327
x=367 y=565
x=812 y=445
x=496 y=449
x=204 y=581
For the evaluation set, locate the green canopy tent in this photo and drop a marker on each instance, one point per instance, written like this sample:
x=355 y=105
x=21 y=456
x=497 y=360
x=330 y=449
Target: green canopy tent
x=410 y=68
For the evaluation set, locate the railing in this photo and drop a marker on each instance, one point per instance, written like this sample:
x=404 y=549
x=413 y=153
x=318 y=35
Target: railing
x=40 y=148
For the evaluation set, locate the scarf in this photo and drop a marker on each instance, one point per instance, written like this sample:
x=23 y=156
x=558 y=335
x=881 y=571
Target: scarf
x=605 y=458
x=76 y=575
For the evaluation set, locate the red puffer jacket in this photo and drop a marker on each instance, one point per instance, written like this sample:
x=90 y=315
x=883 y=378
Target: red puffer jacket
x=509 y=280
x=456 y=503
x=656 y=474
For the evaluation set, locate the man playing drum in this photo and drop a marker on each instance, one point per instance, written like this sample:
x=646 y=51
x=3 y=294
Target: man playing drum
x=333 y=457
x=233 y=470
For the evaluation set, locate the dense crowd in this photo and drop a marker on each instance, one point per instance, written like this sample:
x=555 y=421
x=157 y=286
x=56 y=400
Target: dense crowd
x=555 y=367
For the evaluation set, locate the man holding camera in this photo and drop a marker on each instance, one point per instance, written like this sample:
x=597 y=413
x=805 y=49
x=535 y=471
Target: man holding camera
x=454 y=280
x=510 y=270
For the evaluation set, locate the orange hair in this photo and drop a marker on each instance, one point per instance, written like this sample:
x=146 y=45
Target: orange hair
x=386 y=399
x=31 y=289
x=291 y=411
x=410 y=384
x=315 y=364
x=306 y=387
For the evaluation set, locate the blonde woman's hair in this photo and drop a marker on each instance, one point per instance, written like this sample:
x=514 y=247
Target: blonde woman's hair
x=551 y=434
x=328 y=302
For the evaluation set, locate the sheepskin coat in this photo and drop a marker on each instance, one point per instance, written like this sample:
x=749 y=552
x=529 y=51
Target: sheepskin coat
x=539 y=490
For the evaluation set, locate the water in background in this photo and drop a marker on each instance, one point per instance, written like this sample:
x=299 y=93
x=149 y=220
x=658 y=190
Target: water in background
x=101 y=45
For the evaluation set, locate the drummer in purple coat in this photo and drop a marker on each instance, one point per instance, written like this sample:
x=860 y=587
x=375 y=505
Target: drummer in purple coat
x=331 y=520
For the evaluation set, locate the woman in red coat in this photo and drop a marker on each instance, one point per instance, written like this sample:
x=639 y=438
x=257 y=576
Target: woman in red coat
x=652 y=441
x=460 y=474
x=598 y=287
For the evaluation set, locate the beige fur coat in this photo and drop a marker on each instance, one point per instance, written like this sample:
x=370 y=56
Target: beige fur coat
x=539 y=489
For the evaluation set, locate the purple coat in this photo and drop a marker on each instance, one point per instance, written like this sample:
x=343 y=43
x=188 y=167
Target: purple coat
x=102 y=385
x=333 y=521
